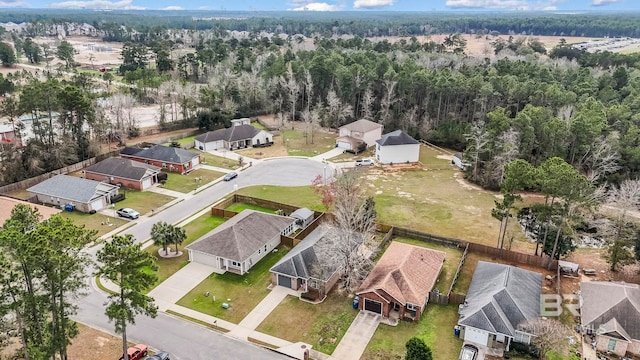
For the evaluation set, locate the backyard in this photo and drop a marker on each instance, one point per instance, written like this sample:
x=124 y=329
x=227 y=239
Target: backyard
x=321 y=325
x=191 y=181
x=241 y=292
x=238 y=207
x=195 y=229
x=435 y=328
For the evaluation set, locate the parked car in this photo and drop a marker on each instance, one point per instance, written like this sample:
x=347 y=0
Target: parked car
x=136 y=352
x=364 y=162
x=159 y=356
x=469 y=352
x=128 y=213
x=230 y=176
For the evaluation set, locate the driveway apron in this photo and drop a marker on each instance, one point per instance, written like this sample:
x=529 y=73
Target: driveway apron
x=357 y=337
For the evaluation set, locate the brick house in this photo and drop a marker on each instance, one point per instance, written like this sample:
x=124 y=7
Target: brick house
x=125 y=172
x=170 y=158
x=399 y=284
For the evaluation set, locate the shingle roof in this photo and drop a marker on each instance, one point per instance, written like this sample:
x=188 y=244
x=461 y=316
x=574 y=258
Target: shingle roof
x=302 y=214
x=131 y=150
x=7 y=204
x=309 y=258
x=406 y=272
x=501 y=297
x=622 y=303
x=397 y=137
x=123 y=168
x=163 y=153
x=72 y=188
x=234 y=133
x=362 y=125
x=242 y=235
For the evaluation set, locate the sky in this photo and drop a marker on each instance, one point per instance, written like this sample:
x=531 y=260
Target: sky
x=337 y=5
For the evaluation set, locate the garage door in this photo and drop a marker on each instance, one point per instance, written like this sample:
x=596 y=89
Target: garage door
x=284 y=281
x=344 y=145
x=195 y=161
x=373 y=306
x=203 y=259
x=146 y=183
x=476 y=336
x=97 y=205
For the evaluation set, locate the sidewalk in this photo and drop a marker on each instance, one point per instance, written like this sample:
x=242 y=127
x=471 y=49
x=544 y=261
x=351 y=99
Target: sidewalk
x=214 y=168
x=179 y=284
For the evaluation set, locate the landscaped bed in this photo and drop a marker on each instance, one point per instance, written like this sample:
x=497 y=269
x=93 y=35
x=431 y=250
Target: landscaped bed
x=241 y=292
x=321 y=325
x=191 y=181
x=435 y=328
x=194 y=230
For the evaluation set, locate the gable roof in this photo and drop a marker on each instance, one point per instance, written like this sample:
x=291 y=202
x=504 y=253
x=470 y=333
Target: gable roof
x=397 y=137
x=123 y=168
x=242 y=235
x=234 y=133
x=130 y=150
x=362 y=125
x=7 y=204
x=302 y=214
x=501 y=297
x=72 y=188
x=406 y=272
x=618 y=311
x=162 y=153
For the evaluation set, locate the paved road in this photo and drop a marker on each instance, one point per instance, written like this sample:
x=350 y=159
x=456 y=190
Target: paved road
x=183 y=339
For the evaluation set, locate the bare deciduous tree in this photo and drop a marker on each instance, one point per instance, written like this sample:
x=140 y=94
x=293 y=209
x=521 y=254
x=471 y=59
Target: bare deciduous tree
x=293 y=89
x=337 y=111
x=601 y=159
x=478 y=138
x=388 y=100
x=549 y=336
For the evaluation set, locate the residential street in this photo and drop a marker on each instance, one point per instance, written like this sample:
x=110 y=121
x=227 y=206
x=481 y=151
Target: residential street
x=184 y=339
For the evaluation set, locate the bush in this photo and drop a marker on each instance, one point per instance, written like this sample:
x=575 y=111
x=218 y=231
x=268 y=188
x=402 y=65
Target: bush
x=417 y=349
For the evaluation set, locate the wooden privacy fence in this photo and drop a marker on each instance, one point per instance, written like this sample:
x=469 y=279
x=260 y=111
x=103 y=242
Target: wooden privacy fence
x=27 y=183
x=227 y=214
x=455 y=277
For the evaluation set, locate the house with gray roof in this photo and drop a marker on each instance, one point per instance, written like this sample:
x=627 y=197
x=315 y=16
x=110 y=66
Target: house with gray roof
x=306 y=267
x=240 y=242
x=303 y=217
x=84 y=194
x=239 y=136
x=611 y=312
x=358 y=135
x=166 y=157
x=500 y=299
x=124 y=172
x=397 y=147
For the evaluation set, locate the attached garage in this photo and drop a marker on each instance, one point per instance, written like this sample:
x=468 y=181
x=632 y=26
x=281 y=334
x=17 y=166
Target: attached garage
x=476 y=336
x=97 y=204
x=284 y=281
x=146 y=183
x=203 y=258
x=344 y=145
x=373 y=306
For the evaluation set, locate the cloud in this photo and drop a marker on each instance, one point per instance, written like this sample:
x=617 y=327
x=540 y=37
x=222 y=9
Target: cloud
x=315 y=6
x=172 y=8
x=604 y=2
x=97 y=5
x=371 y=4
x=525 y=5
x=13 y=3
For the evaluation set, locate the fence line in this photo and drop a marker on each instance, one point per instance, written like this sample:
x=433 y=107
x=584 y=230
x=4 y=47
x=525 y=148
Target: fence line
x=459 y=269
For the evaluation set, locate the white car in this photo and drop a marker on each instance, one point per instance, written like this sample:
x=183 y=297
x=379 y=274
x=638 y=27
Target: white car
x=128 y=213
x=364 y=162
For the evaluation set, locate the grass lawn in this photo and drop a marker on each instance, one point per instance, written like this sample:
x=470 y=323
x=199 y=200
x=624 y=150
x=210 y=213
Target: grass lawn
x=451 y=261
x=297 y=144
x=243 y=293
x=194 y=230
x=187 y=183
x=347 y=156
x=218 y=161
x=238 y=207
x=257 y=125
x=302 y=196
x=321 y=325
x=143 y=201
x=186 y=141
x=95 y=221
x=435 y=328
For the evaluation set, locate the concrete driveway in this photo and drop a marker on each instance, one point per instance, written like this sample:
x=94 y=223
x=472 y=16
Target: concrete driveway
x=179 y=284
x=357 y=337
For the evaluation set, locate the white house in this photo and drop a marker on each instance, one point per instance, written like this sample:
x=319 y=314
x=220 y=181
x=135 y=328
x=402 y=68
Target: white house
x=238 y=136
x=397 y=147
x=361 y=131
x=240 y=242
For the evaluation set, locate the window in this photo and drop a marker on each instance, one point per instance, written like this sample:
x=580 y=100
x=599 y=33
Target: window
x=612 y=345
x=164 y=165
x=412 y=307
x=265 y=247
x=258 y=251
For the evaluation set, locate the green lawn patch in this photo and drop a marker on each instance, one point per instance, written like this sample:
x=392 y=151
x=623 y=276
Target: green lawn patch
x=302 y=196
x=238 y=207
x=435 y=328
x=187 y=183
x=451 y=261
x=242 y=293
x=203 y=323
x=102 y=223
x=185 y=141
x=142 y=201
x=321 y=325
x=298 y=145
x=195 y=229
x=219 y=161
x=257 y=125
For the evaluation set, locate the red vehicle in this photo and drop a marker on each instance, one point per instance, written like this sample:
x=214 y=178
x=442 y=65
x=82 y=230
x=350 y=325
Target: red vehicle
x=136 y=352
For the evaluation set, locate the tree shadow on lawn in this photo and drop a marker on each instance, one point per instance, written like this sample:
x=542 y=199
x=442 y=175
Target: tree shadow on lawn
x=241 y=292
